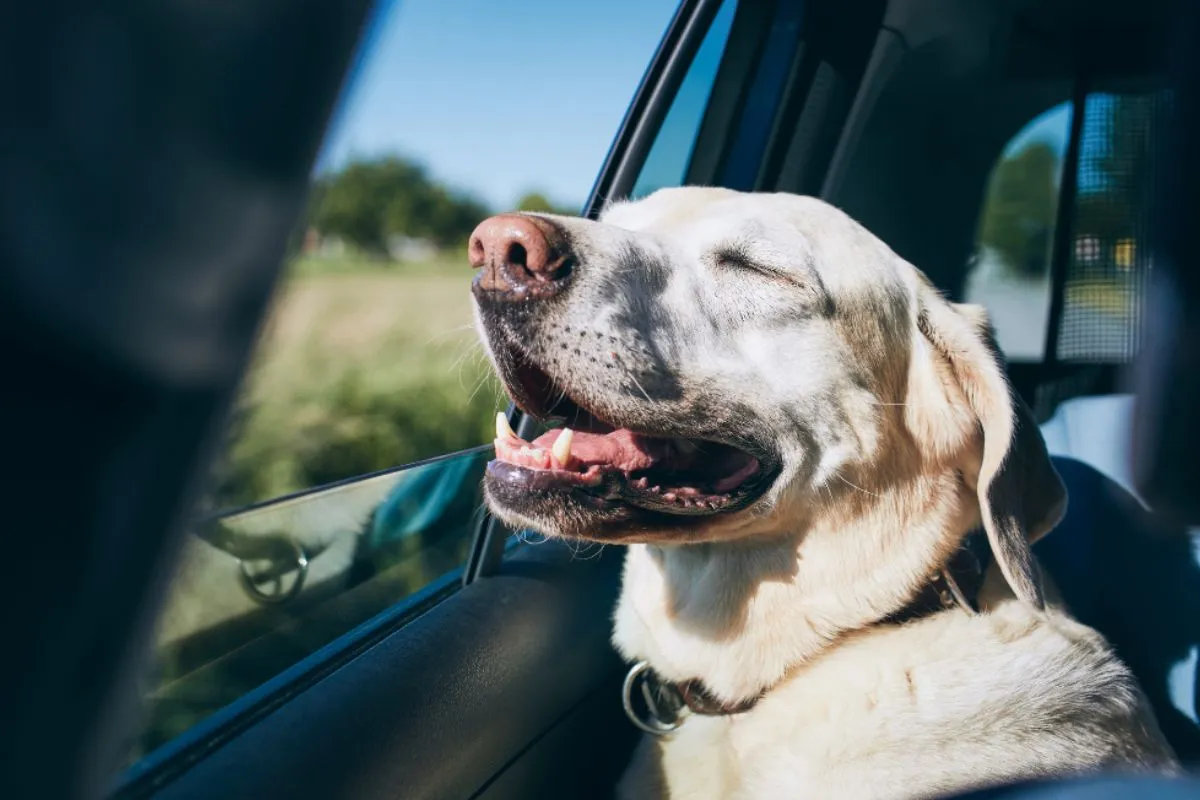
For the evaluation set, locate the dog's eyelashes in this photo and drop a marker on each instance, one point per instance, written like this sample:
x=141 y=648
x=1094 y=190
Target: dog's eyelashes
x=732 y=258
x=737 y=259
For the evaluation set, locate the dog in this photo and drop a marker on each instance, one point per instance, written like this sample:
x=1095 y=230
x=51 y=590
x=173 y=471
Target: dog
x=797 y=436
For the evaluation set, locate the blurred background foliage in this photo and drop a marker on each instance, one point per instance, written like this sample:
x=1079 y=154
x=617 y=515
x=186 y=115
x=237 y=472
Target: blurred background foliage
x=369 y=358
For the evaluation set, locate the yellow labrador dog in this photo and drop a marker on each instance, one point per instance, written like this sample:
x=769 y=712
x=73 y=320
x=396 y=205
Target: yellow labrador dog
x=799 y=439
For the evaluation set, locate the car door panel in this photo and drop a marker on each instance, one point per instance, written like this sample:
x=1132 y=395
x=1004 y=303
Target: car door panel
x=447 y=702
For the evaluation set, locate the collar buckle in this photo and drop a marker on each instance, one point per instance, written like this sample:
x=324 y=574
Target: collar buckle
x=662 y=701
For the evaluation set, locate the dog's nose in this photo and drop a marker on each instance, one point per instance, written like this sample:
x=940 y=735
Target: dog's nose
x=518 y=256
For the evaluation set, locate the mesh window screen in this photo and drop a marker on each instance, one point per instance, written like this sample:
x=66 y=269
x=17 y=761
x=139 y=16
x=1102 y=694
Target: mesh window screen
x=1107 y=275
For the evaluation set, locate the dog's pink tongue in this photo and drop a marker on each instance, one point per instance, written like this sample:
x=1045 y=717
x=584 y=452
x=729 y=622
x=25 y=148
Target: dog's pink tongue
x=622 y=449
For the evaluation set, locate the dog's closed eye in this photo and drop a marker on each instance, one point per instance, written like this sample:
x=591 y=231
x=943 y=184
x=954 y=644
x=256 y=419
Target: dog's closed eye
x=738 y=257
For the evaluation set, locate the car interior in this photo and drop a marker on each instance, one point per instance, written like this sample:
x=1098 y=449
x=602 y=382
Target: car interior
x=429 y=652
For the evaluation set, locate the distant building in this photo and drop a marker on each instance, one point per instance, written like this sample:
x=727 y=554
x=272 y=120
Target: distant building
x=1092 y=250
x=312 y=241
x=1125 y=253
x=399 y=248
x=327 y=246
x=1087 y=249
x=406 y=248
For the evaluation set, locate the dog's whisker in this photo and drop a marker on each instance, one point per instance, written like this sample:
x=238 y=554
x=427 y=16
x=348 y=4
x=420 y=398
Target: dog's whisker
x=473 y=349
x=482 y=382
x=456 y=366
x=446 y=334
x=480 y=357
x=841 y=478
x=460 y=363
x=594 y=550
x=531 y=537
x=828 y=492
x=641 y=389
x=583 y=550
x=562 y=395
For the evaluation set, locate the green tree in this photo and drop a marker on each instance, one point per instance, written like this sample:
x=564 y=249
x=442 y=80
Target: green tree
x=1020 y=209
x=538 y=202
x=367 y=202
x=354 y=202
x=449 y=219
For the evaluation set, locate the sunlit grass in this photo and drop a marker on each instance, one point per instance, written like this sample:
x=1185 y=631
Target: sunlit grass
x=363 y=365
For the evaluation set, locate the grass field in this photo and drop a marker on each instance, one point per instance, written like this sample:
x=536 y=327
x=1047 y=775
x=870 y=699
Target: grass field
x=362 y=366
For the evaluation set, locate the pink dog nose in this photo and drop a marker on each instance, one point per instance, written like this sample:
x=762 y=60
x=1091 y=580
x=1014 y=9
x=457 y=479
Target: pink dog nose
x=518 y=255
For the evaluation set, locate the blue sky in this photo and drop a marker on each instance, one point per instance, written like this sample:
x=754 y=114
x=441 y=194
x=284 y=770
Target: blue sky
x=1051 y=127
x=499 y=97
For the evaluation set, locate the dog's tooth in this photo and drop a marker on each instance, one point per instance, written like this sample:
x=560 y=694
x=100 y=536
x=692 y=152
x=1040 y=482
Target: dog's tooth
x=503 y=429
x=562 y=446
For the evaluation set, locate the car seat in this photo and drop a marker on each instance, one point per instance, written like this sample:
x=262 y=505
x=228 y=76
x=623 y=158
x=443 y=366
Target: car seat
x=1122 y=569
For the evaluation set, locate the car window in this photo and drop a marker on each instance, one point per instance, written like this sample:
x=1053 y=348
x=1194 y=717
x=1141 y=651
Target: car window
x=1010 y=268
x=1106 y=263
x=1106 y=289
x=667 y=162
x=349 y=479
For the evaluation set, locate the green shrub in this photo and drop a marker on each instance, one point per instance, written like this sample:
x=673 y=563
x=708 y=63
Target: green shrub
x=356 y=426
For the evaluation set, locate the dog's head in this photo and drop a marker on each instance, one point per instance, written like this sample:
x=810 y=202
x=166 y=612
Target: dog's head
x=731 y=364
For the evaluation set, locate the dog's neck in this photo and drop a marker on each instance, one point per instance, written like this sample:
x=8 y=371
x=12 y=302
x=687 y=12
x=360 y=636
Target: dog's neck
x=740 y=615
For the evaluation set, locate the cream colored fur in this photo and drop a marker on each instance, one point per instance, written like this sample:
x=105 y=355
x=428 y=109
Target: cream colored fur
x=911 y=440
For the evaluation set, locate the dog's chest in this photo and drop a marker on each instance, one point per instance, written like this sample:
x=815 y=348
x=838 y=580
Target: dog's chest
x=754 y=755
x=894 y=703
x=788 y=743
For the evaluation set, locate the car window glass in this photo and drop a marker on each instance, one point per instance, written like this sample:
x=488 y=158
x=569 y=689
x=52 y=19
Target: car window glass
x=313 y=524
x=667 y=162
x=1010 y=269
x=1106 y=286
x=1106 y=264
x=262 y=589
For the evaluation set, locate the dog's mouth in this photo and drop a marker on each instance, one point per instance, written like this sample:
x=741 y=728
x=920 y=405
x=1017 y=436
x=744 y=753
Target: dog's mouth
x=604 y=465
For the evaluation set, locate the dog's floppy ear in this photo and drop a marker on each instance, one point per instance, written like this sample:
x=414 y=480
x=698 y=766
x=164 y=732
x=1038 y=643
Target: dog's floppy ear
x=1021 y=497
